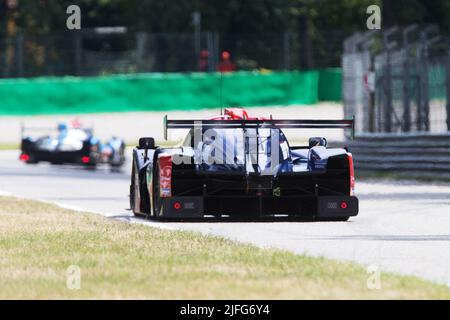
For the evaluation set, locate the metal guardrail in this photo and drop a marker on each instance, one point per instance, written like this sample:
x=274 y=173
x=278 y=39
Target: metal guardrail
x=415 y=154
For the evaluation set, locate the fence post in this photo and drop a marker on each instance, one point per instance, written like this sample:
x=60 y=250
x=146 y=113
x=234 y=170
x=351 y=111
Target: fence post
x=19 y=55
x=3 y=63
x=447 y=87
x=78 y=52
x=406 y=79
x=406 y=127
x=141 y=39
x=287 y=50
x=370 y=73
x=387 y=89
x=425 y=110
x=211 y=52
x=9 y=56
x=216 y=51
x=371 y=98
x=197 y=22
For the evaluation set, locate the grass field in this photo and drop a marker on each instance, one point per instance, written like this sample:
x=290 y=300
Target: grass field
x=9 y=146
x=118 y=260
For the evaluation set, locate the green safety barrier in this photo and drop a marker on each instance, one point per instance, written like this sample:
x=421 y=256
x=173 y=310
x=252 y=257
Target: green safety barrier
x=158 y=92
x=437 y=82
x=330 y=84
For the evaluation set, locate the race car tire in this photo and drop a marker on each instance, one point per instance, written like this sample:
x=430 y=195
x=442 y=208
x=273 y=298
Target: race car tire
x=133 y=191
x=32 y=159
x=122 y=158
x=135 y=194
x=90 y=166
x=157 y=201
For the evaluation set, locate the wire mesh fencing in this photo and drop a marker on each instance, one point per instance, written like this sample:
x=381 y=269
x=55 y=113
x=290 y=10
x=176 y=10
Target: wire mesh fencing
x=116 y=50
x=395 y=84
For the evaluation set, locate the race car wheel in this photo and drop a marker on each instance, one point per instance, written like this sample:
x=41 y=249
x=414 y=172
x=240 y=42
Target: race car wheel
x=138 y=201
x=119 y=160
x=157 y=201
x=133 y=188
x=31 y=159
x=139 y=198
x=90 y=166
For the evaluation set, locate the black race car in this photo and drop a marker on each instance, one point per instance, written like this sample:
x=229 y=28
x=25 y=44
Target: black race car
x=71 y=145
x=238 y=166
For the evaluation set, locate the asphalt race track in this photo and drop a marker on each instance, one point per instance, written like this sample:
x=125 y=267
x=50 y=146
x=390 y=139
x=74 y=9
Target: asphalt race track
x=402 y=226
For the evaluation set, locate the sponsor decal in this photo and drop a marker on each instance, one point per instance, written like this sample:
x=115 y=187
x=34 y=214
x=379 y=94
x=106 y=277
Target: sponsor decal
x=285 y=149
x=277 y=192
x=165 y=175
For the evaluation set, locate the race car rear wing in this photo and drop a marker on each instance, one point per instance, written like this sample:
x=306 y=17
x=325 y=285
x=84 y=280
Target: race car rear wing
x=24 y=128
x=256 y=124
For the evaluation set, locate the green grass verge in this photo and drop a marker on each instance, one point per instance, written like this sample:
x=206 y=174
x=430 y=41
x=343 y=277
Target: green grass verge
x=9 y=146
x=119 y=260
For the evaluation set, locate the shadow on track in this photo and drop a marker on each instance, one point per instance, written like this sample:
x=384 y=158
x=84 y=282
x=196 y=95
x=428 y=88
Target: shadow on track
x=223 y=219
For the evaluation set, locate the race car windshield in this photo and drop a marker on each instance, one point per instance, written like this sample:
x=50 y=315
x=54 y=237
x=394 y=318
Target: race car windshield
x=240 y=148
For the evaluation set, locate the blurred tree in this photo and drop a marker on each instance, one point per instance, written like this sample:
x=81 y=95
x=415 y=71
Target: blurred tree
x=320 y=25
x=228 y=17
x=404 y=12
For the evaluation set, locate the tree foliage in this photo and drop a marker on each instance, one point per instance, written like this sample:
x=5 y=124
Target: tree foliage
x=225 y=16
x=316 y=27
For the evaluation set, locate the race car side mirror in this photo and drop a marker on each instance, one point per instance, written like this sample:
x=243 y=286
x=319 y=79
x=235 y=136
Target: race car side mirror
x=317 y=141
x=146 y=143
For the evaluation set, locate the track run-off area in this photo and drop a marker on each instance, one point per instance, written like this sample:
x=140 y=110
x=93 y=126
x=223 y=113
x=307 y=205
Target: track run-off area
x=403 y=226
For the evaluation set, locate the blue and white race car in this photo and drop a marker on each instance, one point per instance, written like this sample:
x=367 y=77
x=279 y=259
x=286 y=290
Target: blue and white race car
x=72 y=145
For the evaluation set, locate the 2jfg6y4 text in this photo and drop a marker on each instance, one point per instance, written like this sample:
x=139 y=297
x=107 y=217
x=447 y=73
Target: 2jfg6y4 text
x=229 y=310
